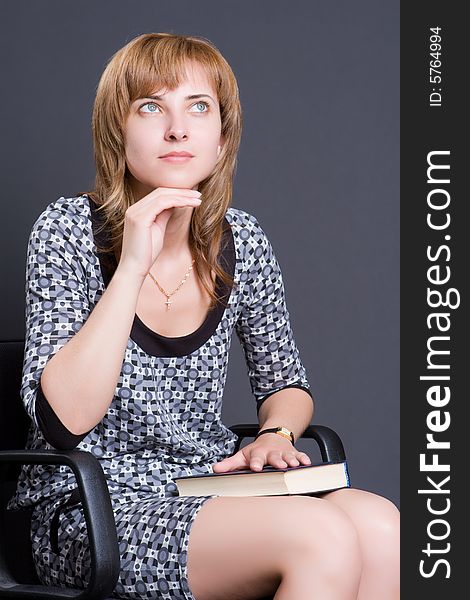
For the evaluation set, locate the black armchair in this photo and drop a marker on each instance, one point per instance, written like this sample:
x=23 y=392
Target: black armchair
x=18 y=578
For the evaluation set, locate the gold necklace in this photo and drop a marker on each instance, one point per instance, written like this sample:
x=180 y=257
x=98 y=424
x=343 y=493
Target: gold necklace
x=168 y=301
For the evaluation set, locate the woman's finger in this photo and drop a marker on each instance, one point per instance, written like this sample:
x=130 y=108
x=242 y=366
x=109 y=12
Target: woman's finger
x=257 y=462
x=291 y=459
x=294 y=459
x=304 y=458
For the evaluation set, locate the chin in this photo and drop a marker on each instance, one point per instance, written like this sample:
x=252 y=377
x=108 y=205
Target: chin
x=177 y=182
x=180 y=178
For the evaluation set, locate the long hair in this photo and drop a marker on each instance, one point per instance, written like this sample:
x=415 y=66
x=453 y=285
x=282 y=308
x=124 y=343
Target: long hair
x=155 y=61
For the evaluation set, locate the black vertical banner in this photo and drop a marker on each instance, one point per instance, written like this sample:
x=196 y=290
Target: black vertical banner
x=435 y=353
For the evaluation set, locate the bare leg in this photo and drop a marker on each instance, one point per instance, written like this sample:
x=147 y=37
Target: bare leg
x=331 y=571
x=244 y=548
x=377 y=521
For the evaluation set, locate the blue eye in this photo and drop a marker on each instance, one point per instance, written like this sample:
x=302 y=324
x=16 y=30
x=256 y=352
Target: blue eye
x=206 y=104
x=155 y=106
x=150 y=104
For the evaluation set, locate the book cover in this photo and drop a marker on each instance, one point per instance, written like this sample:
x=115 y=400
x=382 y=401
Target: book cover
x=303 y=479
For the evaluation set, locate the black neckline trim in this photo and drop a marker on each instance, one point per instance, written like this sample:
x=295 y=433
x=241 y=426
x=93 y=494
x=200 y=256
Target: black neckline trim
x=150 y=341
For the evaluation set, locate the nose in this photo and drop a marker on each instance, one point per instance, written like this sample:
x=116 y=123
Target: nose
x=176 y=134
x=176 y=130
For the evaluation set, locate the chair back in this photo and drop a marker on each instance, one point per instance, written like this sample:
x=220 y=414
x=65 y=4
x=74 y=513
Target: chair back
x=15 y=544
x=14 y=422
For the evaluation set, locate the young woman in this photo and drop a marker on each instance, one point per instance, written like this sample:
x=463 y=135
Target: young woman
x=133 y=292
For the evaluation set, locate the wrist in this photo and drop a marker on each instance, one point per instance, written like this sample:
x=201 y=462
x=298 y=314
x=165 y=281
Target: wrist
x=279 y=431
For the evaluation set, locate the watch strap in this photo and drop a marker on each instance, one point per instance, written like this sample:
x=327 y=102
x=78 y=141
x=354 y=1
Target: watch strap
x=282 y=431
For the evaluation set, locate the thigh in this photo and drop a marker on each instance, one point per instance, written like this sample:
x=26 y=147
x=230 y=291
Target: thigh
x=240 y=547
x=61 y=557
x=152 y=535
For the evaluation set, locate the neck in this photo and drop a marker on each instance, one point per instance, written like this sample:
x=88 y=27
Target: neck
x=176 y=241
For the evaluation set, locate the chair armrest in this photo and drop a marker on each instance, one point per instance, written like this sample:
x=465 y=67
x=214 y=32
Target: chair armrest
x=329 y=442
x=98 y=511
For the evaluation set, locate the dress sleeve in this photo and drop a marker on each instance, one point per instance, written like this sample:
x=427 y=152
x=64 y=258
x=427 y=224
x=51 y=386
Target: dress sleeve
x=57 y=305
x=264 y=328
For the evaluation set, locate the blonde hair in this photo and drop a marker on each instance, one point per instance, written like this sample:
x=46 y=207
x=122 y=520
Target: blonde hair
x=159 y=61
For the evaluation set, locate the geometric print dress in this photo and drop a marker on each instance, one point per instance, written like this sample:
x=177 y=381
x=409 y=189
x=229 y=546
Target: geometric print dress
x=165 y=417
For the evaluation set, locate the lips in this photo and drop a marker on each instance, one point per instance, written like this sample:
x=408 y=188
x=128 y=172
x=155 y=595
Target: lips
x=182 y=154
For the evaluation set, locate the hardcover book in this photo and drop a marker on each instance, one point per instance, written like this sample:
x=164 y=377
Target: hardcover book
x=304 y=479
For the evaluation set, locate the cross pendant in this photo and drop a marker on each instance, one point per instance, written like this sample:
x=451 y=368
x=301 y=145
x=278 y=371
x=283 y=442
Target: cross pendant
x=168 y=303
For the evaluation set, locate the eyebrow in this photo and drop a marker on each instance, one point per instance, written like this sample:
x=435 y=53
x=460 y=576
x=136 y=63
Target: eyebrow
x=191 y=97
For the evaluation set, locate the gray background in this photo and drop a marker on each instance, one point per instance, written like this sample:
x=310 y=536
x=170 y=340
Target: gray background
x=318 y=166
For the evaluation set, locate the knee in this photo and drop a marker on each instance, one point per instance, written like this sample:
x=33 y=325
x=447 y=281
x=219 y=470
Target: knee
x=383 y=531
x=326 y=534
x=389 y=519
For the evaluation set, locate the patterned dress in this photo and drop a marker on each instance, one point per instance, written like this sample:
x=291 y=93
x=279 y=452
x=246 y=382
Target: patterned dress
x=165 y=418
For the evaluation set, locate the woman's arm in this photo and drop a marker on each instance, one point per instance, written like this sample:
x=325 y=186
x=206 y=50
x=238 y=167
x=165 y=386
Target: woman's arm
x=292 y=408
x=79 y=381
x=81 y=350
x=273 y=361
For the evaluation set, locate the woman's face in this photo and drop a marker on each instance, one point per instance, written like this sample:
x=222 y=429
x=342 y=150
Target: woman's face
x=173 y=123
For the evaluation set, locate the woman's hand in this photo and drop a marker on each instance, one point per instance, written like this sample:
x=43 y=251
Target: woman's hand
x=145 y=225
x=269 y=449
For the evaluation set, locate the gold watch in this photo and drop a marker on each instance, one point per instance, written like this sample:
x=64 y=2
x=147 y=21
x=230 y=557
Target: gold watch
x=280 y=431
